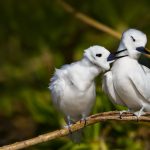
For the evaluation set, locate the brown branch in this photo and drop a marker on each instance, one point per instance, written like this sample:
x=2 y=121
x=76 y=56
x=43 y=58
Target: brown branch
x=112 y=115
x=90 y=21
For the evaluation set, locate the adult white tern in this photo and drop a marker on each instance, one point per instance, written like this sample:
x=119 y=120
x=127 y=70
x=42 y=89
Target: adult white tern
x=128 y=82
x=73 y=88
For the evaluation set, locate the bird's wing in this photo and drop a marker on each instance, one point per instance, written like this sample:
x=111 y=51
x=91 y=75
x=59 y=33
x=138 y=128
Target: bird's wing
x=141 y=81
x=57 y=86
x=145 y=69
x=108 y=88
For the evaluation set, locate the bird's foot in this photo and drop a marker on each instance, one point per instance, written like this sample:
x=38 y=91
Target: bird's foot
x=139 y=113
x=69 y=124
x=68 y=127
x=83 y=119
x=121 y=113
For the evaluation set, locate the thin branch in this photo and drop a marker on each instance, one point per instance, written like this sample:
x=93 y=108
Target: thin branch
x=90 y=21
x=112 y=115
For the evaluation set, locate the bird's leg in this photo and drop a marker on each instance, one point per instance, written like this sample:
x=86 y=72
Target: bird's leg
x=123 y=111
x=139 y=113
x=83 y=119
x=68 y=120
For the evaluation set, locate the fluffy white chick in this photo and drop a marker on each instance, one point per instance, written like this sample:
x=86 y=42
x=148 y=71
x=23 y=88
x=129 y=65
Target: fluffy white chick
x=73 y=88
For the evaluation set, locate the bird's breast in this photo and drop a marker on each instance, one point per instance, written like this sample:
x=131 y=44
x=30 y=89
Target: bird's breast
x=122 y=67
x=122 y=70
x=77 y=102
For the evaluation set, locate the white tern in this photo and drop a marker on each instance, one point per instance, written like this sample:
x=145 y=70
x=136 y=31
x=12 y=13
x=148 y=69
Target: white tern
x=128 y=82
x=73 y=88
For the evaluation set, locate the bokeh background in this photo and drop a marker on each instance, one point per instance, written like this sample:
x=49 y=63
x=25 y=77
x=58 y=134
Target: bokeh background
x=37 y=36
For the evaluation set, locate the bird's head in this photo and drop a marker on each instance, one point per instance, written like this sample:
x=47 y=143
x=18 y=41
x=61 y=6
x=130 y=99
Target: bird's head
x=134 y=42
x=98 y=55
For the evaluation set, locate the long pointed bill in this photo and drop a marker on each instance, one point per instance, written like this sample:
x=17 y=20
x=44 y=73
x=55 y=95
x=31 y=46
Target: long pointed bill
x=143 y=50
x=111 y=57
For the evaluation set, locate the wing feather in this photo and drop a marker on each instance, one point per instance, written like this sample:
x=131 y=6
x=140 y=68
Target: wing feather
x=109 y=89
x=141 y=81
x=56 y=86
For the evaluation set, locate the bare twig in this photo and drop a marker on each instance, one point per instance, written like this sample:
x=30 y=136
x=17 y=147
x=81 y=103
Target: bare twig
x=113 y=115
x=90 y=21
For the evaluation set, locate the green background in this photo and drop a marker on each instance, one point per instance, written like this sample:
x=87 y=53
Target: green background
x=37 y=36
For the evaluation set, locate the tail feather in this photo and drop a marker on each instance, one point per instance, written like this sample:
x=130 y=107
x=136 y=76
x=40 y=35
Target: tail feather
x=76 y=136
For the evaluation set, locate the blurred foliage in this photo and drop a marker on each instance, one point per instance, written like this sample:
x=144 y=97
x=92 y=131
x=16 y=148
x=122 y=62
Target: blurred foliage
x=38 y=35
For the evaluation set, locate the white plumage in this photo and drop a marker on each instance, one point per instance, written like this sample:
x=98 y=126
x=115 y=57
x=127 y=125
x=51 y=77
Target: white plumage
x=73 y=88
x=128 y=82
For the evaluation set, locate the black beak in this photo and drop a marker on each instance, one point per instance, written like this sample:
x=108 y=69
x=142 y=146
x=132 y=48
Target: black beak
x=111 y=57
x=143 y=50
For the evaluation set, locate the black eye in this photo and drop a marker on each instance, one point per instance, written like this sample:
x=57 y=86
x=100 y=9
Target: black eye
x=98 y=55
x=133 y=38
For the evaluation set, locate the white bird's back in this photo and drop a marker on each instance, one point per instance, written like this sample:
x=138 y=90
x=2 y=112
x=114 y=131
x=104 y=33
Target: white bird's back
x=129 y=80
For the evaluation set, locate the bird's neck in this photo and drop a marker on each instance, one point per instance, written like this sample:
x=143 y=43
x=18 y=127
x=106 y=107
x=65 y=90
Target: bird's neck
x=121 y=47
x=93 y=69
x=122 y=51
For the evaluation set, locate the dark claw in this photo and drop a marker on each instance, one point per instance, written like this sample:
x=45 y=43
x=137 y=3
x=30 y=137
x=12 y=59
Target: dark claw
x=69 y=123
x=137 y=119
x=85 y=121
x=69 y=129
x=120 y=116
x=123 y=111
